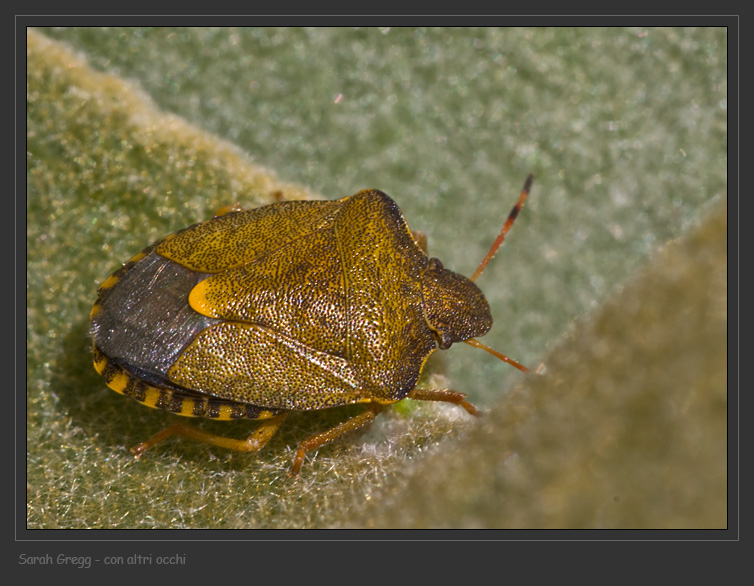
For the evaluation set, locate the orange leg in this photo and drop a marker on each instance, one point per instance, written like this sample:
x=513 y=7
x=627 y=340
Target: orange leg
x=445 y=396
x=321 y=439
x=255 y=442
x=268 y=427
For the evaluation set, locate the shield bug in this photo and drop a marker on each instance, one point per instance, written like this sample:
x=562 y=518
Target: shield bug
x=294 y=306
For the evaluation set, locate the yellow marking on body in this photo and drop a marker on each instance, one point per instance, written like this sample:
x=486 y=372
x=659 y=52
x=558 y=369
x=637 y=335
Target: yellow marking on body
x=379 y=401
x=151 y=397
x=152 y=394
x=100 y=364
x=119 y=382
x=96 y=310
x=187 y=407
x=424 y=362
x=198 y=300
x=225 y=412
x=110 y=282
x=137 y=258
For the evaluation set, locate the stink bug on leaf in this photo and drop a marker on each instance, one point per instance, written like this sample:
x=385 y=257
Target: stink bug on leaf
x=294 y=306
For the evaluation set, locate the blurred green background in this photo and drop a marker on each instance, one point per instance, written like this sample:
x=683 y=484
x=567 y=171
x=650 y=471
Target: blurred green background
x=133 y=133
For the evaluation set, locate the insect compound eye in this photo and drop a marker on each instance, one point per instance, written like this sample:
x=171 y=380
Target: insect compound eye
x=444 y=340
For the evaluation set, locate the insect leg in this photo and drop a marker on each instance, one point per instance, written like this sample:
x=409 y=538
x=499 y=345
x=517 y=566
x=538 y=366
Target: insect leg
x=321 y=439
x=445 y=396
x=253 y=443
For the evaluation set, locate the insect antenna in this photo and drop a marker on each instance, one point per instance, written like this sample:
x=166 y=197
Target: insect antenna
x=507 y=226
x=477 y=344
x=485 y=261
